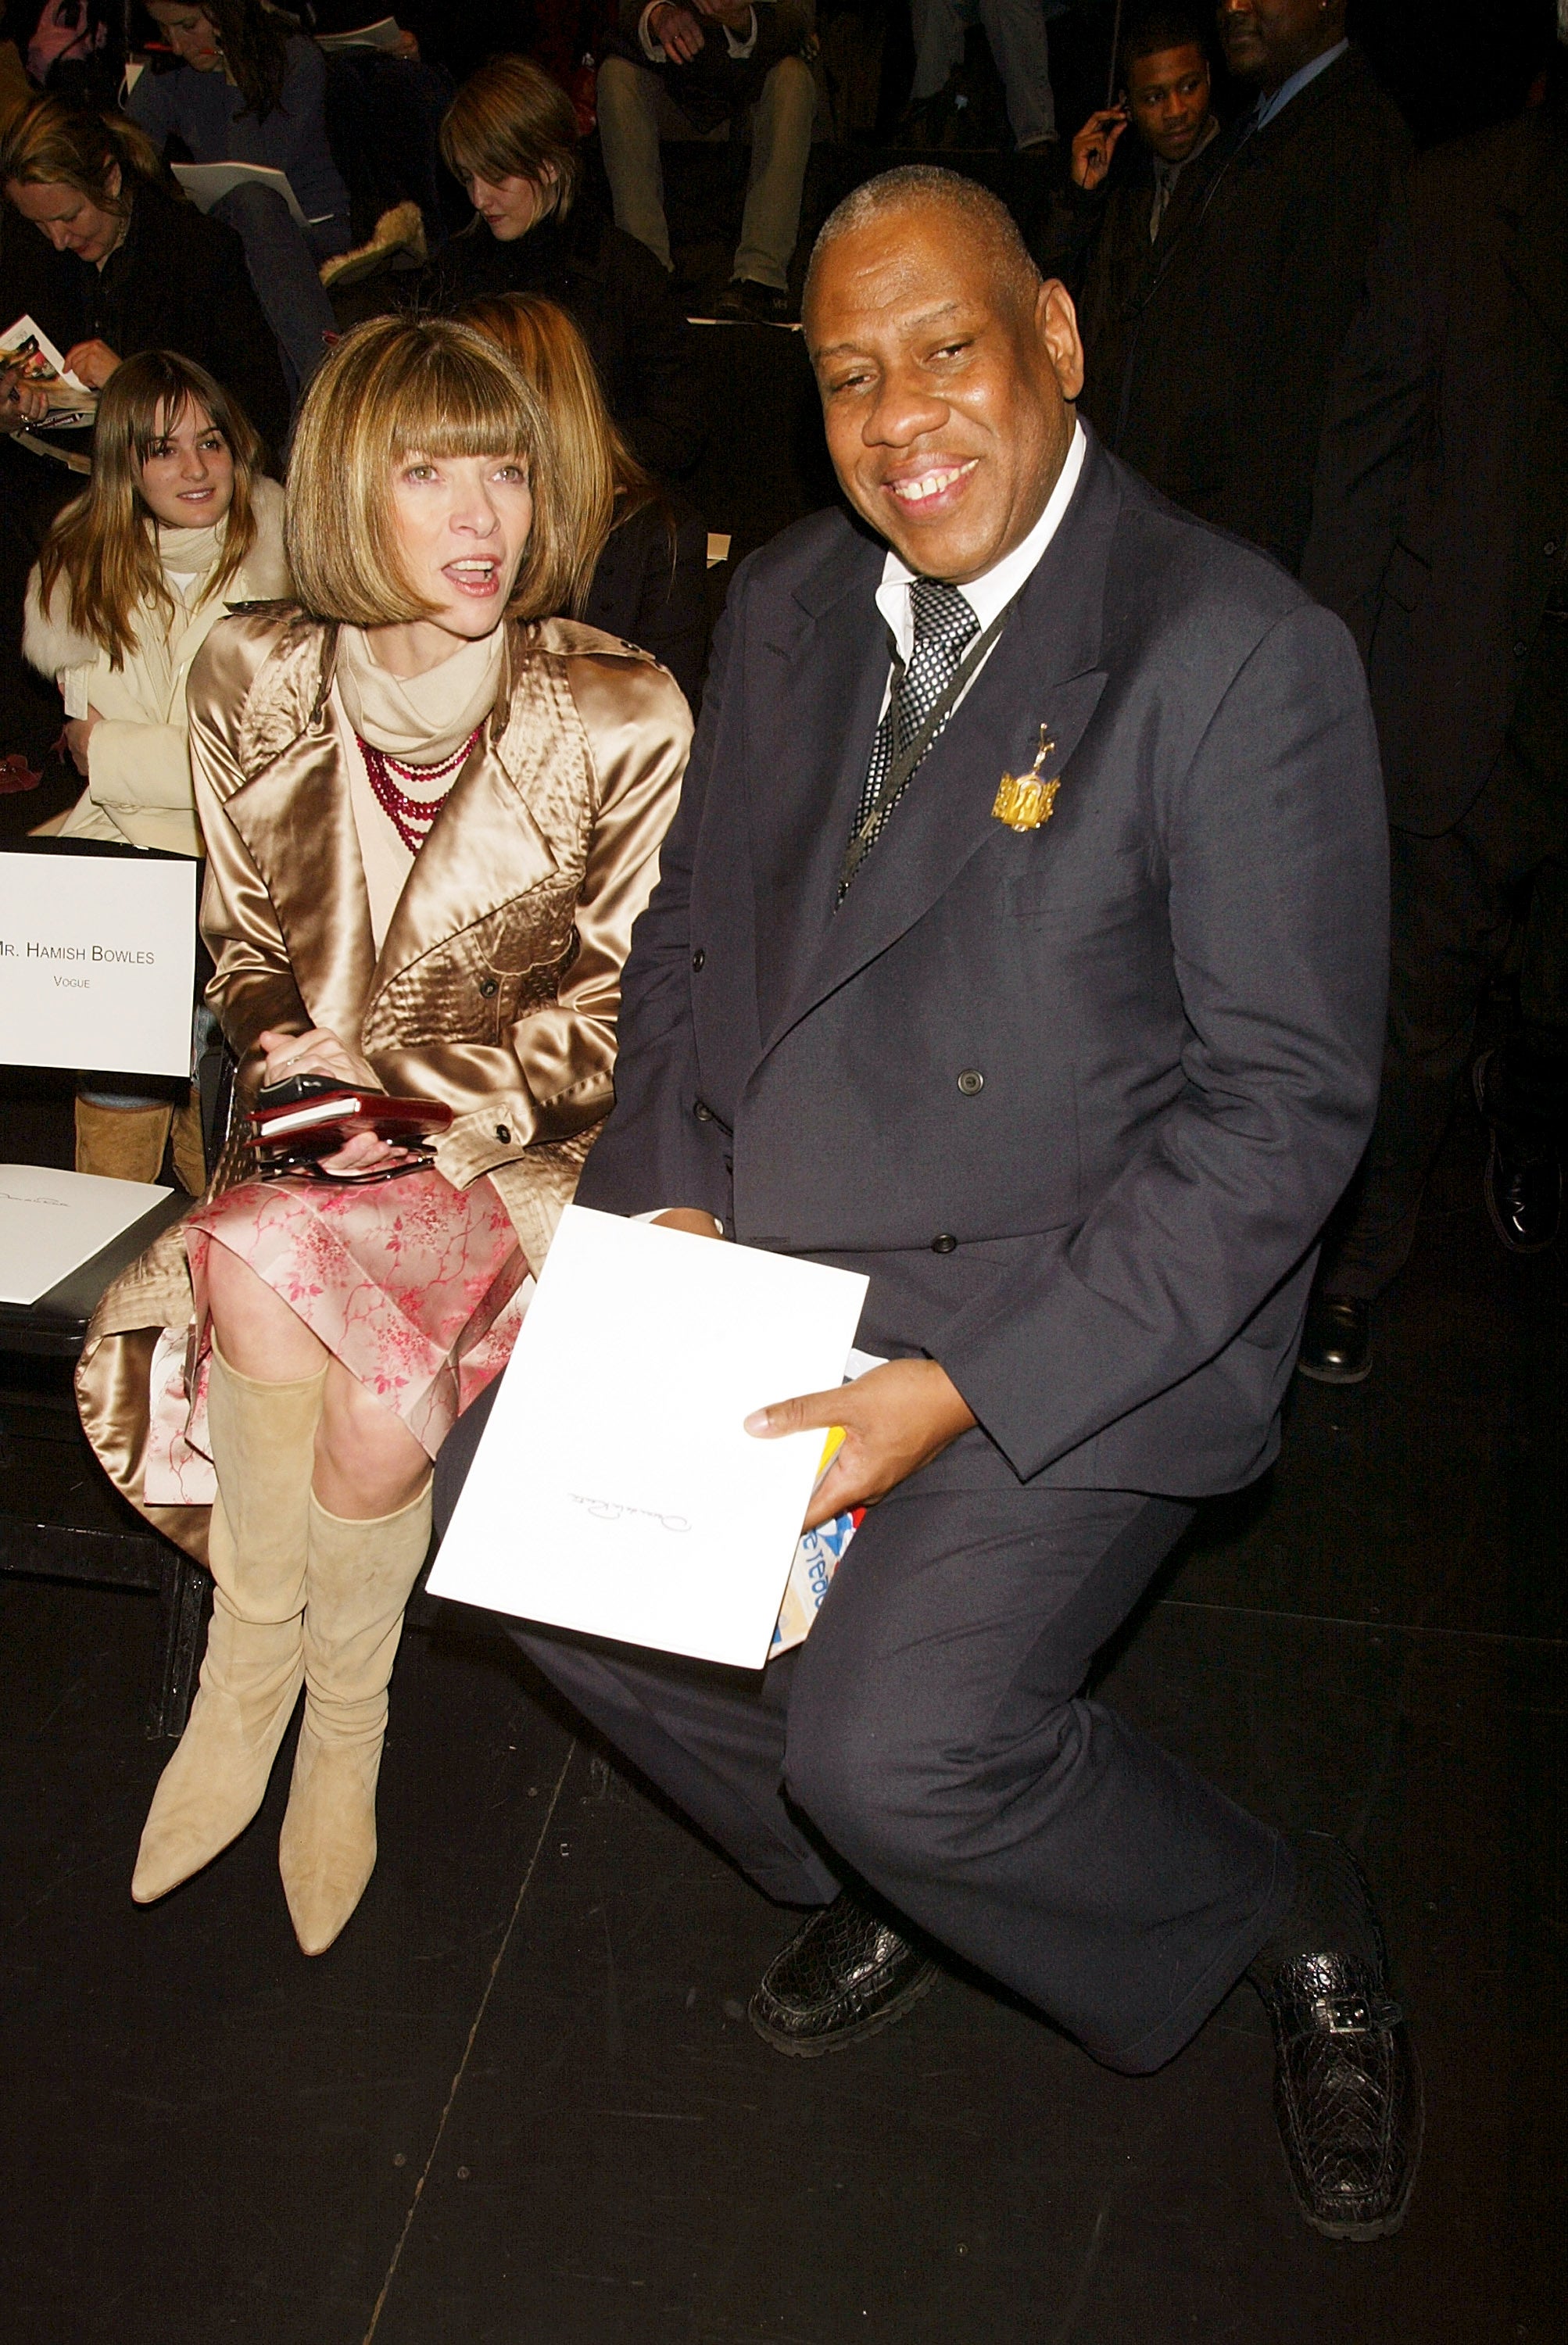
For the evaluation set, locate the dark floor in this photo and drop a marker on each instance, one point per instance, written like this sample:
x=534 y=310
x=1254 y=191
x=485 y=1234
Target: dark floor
x=519 y=2104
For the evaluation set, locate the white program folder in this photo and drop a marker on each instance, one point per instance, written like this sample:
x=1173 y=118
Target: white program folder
x=615 y=1491
x=208 y=182
x=52 y=1221
x=98 y=962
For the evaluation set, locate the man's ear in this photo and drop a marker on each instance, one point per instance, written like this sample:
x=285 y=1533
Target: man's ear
x=1056 y=325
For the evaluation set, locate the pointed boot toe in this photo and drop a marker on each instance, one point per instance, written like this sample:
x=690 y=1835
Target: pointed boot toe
x=327 y=1849
x=211 y=1788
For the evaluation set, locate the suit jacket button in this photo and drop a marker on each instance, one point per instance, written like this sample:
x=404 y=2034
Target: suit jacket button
x=1520 y=649
x=487 y=985
x=503 y=1133
x=703 y=1112
x=697 y=959
x=970 y=1081
x=944 y=1244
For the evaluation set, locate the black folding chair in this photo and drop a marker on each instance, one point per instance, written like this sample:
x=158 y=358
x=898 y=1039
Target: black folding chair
x=60 y=1516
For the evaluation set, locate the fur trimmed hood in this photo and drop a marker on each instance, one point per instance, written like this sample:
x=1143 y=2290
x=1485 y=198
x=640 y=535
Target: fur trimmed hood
x=49 y=642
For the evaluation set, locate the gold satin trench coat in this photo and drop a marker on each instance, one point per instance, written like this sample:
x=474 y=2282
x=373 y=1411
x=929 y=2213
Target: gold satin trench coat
x=497 y=985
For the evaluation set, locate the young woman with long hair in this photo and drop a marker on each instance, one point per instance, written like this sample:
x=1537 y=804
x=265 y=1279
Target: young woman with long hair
x=248 y=88
x=108 y=263
x=433 y=814
x=642 y=563
x=176 y=522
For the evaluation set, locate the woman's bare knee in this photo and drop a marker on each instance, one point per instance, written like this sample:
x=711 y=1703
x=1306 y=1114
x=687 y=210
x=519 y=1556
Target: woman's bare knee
x=368 y=1463
x=254 y=1328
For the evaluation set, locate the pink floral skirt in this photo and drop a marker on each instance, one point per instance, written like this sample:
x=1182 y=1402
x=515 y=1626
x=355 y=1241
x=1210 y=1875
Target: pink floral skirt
x=417 y=1287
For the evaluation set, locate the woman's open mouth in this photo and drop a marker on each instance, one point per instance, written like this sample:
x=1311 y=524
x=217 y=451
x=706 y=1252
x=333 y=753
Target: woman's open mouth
x=477 y=579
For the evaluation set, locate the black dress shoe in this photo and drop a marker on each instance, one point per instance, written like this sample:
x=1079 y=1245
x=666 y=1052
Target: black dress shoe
x=1337 y=1343
x=845 y=1975
x=1347 y=2086
x=1523 y=1179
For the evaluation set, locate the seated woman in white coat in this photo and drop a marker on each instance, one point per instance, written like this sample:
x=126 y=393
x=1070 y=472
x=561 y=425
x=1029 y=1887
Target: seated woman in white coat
x=176 y=525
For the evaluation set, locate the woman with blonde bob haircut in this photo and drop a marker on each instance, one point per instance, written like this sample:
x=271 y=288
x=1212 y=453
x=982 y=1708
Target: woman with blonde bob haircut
x=639 y=569
x=432 y=815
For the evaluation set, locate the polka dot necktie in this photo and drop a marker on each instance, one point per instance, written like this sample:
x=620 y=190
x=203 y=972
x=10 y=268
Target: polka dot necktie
x=945 y=628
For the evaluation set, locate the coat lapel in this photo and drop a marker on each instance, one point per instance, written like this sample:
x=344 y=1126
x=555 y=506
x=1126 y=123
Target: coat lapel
x=1044 y=670
x=830 y=655
x=296 y=817
x=298 y=827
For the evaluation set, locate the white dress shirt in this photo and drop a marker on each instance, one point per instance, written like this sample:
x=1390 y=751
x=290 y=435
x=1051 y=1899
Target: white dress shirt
x=995 y=589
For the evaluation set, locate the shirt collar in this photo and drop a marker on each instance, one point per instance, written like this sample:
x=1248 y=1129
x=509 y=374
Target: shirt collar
x=995 y=588
x=1267 y=107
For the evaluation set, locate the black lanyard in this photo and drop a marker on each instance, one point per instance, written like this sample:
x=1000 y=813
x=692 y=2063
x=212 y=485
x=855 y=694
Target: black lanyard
x=900 y=768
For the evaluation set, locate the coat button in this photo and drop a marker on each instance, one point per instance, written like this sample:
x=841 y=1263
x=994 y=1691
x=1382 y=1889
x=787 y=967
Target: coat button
x=1520 y=649
x=1550 y=548
x=703 y=1112
x=487 y=985
x=698 y=956
x=970 y=1081
x=504 y=1131
x=944 y=1244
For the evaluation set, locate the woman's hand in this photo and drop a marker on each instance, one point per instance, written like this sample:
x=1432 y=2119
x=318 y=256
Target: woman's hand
x=318 y=1052
x=91 y=362
x=21 y=402
x=78 y=733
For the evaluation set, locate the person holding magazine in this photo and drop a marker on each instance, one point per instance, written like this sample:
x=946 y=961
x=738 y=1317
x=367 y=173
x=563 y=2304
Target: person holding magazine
x=248 y=90
x=432 y=815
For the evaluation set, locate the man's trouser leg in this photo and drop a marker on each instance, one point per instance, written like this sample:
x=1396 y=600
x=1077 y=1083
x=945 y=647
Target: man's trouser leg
x=780 y=150
x=1451 y=917
x=284 y=271
x=1016 y=32
x=939 y=45
x=629 y=104
x=933 y=1732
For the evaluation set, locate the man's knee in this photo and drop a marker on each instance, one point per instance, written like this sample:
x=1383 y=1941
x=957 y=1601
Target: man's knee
x=624 y=93
x=249 y=207
x=790 y=93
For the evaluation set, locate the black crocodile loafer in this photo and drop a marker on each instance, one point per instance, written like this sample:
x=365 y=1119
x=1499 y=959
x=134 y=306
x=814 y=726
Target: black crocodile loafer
x=1347 y=2085
x=846 y=1975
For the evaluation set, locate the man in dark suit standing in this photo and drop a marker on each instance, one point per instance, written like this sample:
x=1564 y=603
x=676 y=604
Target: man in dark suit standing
x=1060 y=1018
x=1236 y=329
x=1441 y=537
x=1127 y=197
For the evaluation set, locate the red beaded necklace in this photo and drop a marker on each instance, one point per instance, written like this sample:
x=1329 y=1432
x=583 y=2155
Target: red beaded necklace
x=411 y=817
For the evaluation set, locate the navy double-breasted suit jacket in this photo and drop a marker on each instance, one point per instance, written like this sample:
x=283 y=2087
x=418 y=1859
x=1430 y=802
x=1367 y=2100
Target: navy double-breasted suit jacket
x=1173 y=990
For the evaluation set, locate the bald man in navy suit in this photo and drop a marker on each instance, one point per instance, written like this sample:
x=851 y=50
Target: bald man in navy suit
x=1019 y=942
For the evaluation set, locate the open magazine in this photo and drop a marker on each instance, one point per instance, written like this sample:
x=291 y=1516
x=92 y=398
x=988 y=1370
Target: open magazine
x=384 y=34
x=72 y=406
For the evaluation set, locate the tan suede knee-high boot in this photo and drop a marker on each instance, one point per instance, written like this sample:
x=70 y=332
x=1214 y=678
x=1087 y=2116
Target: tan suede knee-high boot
x=358 y=1579
x=263 y=1444
x=122 y=1143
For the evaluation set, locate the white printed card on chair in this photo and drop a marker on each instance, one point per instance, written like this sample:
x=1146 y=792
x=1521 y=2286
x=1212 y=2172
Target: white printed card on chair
x=615 y=1491
x=52 y=1221
x=98 y=962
